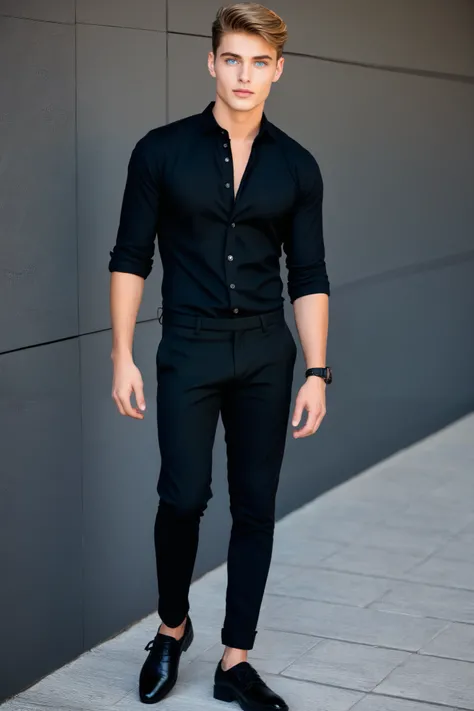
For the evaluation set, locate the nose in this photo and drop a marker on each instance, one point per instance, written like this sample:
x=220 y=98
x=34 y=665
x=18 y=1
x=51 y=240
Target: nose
x=244 y=73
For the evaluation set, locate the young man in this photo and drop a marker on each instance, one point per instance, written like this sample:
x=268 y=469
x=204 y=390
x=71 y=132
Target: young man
x=224 y=190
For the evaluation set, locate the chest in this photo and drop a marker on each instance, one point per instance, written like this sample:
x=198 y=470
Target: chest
x=240 y=158
x=209 y=180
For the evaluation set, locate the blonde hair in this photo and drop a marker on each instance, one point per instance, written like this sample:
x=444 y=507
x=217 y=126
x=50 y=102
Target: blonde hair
x=253 y=18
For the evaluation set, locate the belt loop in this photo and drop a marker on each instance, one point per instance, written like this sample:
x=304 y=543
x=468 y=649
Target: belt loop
x=262 y=322
x=198 y=325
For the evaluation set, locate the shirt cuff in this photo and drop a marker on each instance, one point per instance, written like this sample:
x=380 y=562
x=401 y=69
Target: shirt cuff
x=315 y=286
x=129 y=265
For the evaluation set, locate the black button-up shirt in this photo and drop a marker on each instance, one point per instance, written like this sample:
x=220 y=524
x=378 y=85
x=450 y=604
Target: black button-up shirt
x=220 y=253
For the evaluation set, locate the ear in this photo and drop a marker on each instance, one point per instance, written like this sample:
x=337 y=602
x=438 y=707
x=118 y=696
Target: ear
x=279 y=69
x=210 y=64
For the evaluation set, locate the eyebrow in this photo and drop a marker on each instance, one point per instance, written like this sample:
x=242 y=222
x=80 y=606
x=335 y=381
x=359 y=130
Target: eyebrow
x=237 y=56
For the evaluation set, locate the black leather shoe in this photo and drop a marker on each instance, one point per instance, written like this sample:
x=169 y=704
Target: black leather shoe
x=242 y=683
x=160 y=670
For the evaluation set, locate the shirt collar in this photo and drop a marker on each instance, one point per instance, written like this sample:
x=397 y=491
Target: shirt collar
x=210 y=125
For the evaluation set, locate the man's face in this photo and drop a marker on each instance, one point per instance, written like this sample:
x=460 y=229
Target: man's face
x=244 y=63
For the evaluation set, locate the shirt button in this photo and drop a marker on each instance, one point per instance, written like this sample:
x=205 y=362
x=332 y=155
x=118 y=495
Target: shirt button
x=230 y=258
x=225 y=145
x=227 y=185
x=232 y=286
x=236 y=311
x=233 y=224
x=227 y=160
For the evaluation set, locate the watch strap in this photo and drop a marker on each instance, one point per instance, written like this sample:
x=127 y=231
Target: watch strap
x=324 y=373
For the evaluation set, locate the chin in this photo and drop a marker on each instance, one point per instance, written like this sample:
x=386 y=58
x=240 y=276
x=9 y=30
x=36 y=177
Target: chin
x=243 y=104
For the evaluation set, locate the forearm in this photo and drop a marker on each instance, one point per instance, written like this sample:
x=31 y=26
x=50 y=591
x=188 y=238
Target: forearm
x=311 y=317
x=126 y=291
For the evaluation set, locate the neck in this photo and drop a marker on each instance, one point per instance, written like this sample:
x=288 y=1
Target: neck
x=241 y=125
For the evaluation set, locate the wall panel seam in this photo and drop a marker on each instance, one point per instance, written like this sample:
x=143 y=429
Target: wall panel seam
x=120 y=27
x=388 y=275
x=430 y=265
x=37 y=19
x=167 y=72
x=428 y=73
x=43 y=344
x=79 y=350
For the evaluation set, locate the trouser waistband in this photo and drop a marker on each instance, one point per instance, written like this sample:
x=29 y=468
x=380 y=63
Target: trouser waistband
x=222 y=324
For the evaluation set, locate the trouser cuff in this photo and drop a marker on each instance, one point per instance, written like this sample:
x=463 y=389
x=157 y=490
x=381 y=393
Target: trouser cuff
x=173 y=618
x=237 y=638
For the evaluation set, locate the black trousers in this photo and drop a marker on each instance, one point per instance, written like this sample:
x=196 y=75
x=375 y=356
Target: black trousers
x=242 y=368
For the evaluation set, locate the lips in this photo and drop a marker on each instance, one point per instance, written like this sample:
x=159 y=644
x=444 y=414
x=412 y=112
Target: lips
x=243 y=91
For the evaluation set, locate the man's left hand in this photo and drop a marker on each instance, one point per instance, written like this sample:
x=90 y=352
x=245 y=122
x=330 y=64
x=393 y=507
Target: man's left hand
x=312 y=398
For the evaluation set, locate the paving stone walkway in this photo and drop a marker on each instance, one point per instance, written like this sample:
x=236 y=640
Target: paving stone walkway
x=369 y=604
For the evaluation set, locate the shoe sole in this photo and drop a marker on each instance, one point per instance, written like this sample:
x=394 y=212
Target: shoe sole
x=187 y=644
x=159 y=698
x=223 y=693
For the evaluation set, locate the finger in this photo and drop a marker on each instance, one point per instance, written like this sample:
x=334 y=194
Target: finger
x=299 y=406
x=319 y=420
x=118 y=404
x=309 y=426
x=139 y=396
x=127 y=405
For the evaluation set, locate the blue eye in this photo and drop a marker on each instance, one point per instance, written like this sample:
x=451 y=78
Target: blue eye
x=232 y=60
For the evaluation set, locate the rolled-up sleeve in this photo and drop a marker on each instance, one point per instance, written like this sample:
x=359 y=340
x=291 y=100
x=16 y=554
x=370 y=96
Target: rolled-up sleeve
x=304 y=244
x=135 y=242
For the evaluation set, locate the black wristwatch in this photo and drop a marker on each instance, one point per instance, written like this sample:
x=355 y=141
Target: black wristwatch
x=324 y=373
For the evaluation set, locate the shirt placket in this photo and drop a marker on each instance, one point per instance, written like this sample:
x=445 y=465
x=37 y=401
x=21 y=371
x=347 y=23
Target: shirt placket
x=230 y=264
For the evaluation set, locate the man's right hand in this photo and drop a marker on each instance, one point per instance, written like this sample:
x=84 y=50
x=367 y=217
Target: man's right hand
x=128 y=379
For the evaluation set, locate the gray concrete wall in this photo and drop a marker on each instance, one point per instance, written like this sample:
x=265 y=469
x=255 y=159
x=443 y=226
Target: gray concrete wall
x=383 y=94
